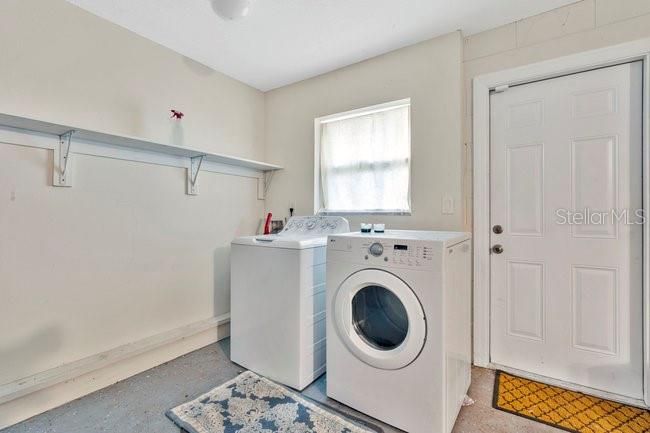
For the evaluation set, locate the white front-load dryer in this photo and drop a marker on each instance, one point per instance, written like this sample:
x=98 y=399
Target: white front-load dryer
x=398 y=326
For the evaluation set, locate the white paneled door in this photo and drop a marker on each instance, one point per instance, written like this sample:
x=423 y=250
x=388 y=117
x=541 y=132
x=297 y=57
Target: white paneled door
x=566 y=271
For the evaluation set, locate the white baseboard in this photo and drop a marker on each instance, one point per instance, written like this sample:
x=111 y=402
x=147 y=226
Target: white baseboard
x=40 y=392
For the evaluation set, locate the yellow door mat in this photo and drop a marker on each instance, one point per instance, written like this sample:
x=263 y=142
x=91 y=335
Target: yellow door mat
x=564 y=409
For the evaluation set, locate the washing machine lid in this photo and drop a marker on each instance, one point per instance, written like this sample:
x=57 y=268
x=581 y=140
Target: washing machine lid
x=276 y=241
x=301 y=232
x=379 y=319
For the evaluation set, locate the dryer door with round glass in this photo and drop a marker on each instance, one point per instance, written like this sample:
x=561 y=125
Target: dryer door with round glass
x=379 y=319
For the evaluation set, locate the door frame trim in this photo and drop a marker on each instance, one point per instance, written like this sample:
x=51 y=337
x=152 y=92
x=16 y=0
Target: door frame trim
x=482 y=86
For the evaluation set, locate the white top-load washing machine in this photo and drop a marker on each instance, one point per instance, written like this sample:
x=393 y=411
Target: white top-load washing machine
x=277 y=300
x=398 y=326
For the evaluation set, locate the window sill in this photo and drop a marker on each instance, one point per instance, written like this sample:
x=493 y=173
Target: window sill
x=365 y=212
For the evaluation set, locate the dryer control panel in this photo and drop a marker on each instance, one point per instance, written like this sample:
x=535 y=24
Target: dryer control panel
x=406 y=253
x=371 y=250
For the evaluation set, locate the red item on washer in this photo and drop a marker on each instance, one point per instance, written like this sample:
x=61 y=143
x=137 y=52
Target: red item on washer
x=267 y=224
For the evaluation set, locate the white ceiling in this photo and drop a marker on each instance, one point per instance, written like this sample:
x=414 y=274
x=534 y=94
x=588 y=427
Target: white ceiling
x=284 y=41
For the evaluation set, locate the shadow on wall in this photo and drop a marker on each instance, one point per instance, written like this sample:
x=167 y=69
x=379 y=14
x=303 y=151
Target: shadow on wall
x=15 y=357
x=221 y=261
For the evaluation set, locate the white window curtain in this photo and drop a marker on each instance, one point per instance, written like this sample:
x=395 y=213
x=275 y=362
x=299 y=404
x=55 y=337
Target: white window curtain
x=365 y=162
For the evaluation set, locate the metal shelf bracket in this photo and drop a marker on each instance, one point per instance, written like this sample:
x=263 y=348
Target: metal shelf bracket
x=263 y=184
x=61 y=169
x=193 y=174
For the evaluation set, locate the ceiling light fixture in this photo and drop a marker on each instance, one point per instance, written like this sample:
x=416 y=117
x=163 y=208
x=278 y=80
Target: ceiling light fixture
x=231 y=9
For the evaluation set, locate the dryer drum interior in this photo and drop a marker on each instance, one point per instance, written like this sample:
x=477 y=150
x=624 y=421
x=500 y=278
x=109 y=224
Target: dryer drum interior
x=379 y=317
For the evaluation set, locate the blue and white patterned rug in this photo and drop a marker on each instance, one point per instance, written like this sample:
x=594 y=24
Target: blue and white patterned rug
x=253 y=404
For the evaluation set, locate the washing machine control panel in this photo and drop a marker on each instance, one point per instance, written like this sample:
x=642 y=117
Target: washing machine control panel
x=315 y=225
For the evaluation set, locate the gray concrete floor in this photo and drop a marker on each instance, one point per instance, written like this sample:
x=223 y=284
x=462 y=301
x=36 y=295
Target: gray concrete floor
x=138 y=404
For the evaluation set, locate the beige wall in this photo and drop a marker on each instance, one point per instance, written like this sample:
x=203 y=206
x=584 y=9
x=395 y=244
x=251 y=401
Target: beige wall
x=124 y=253
x=430 y=74
x=582 y=26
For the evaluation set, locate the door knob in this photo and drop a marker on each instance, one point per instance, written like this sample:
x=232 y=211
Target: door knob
x=497 y=229
x=497 y=249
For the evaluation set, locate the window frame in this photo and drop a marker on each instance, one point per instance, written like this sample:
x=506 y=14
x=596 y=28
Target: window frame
x=319 y=121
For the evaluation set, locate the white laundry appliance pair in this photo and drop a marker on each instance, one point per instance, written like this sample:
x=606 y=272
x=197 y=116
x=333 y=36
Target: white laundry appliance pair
x=398 y=326
x=277 y=300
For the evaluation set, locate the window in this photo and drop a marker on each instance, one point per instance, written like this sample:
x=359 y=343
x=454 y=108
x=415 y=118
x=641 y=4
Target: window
x=363 y=160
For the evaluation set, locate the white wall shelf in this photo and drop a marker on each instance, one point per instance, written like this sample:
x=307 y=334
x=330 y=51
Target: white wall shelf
x=67 y=140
